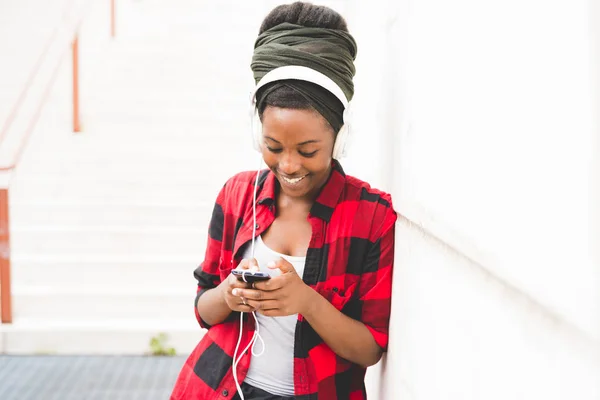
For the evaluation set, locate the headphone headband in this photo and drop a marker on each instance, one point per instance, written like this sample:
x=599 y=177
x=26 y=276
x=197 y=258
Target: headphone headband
x=303 y=74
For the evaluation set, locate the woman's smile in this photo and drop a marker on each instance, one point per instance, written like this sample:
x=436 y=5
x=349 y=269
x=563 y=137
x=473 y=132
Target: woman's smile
x=292 y=181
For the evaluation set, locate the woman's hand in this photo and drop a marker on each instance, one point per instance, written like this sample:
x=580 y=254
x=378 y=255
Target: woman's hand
x=238 y=303
x=280 y=296
x=287 y=294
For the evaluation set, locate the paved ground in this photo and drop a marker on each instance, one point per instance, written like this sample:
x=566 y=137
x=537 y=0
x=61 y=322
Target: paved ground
x=90 y=378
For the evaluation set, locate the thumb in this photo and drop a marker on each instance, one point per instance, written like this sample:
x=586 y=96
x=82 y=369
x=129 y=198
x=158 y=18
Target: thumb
x=253 y=265
x=283 y=265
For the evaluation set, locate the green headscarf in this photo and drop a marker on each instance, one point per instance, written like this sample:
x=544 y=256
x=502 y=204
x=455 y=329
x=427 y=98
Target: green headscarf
x=329 y=51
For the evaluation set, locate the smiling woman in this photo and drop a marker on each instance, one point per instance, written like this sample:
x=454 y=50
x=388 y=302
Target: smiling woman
x=325 y=239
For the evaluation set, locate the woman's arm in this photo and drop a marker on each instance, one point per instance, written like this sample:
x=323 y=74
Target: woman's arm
x=347 y=337
x=212 y=307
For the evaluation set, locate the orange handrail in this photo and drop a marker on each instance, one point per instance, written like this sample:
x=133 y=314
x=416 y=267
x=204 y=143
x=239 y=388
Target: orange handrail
x=14 y=111
x=75 y=49
x=5 y=294
x=30 y=78
x=5 y=282
x=112 y=18
x=33 y=122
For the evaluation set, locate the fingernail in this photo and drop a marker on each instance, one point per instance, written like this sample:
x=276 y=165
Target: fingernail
x=271 y=264
x=255 y=268
x=235 y=292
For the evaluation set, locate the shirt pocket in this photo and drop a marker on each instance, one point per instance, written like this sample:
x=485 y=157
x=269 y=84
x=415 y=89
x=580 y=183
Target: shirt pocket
x=339 y=297
x=225 y=267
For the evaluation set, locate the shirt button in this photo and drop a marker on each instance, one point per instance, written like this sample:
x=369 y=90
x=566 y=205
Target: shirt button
x=225 y=393
x=335 y=289
x=257 y=226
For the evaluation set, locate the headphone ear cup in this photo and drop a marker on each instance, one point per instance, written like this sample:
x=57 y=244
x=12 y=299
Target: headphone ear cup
x=339 y=147
x=256 y=128
x=343 y=137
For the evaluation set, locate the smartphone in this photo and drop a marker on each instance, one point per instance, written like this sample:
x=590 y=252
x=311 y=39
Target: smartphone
x=251 y=276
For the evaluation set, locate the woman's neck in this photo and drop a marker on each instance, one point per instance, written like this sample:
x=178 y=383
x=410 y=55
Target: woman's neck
x=287 y=203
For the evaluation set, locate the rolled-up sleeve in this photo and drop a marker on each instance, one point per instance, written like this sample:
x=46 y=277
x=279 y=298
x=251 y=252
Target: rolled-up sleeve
x=376 y=285
x=207 y=274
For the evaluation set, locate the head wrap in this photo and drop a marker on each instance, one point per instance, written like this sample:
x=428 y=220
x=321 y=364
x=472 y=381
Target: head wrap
x=329 y=51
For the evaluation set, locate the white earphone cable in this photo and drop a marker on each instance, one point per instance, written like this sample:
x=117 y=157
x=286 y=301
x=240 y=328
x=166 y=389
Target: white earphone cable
x=256 y=335
x=286 y=72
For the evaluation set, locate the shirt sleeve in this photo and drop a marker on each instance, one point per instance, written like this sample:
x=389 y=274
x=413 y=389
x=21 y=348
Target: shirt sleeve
x=376 y=284
x=207 y=274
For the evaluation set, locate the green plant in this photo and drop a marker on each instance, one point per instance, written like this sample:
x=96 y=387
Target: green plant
x=158 y=346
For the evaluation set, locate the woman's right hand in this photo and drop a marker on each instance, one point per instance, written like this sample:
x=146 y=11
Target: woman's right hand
x=237 y=303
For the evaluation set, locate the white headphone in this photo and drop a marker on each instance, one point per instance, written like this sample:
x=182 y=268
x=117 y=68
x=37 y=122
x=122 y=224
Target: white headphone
x=310 y=75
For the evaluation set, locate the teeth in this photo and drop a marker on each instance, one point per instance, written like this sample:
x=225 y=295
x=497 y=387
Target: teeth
x=293 y=181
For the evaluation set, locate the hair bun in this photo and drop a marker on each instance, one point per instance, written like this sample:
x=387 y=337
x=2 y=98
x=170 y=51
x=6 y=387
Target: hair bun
x=304 y=14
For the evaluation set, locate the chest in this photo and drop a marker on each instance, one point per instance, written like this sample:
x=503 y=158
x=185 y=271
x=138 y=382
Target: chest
x=333 y=257
x=289 y=234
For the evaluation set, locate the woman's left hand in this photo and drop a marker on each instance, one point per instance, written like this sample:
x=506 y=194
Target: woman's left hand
x=286 y=294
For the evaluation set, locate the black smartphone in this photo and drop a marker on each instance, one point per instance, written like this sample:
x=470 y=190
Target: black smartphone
x=251 y=276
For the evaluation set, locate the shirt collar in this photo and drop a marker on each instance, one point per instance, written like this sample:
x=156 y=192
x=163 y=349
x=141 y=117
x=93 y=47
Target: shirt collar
x=326 y=201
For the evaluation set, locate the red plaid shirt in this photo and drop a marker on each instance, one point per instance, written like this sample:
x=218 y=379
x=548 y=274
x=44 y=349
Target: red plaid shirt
x=349 y=262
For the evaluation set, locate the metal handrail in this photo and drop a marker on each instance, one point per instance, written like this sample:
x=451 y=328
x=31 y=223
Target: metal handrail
x=5 y=280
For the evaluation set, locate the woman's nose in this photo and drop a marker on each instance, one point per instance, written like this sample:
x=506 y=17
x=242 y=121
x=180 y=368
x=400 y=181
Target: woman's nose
x=289 y=164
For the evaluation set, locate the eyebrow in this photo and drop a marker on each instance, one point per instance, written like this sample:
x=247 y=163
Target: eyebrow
x=299 y=144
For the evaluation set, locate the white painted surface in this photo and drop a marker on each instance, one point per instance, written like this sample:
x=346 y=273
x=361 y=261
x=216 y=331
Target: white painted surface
x=460 y=333
x=496 y=284
x=594 y=181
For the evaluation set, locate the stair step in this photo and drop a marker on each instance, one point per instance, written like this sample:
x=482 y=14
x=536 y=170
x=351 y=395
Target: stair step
x=89 y=336
x=196 y=189
x=109 y=240
x=167 y=272
x=131 y=151
x=106 y=214
x=93 y=302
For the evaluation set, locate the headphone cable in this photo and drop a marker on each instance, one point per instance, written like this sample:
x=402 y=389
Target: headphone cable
x=257 y=326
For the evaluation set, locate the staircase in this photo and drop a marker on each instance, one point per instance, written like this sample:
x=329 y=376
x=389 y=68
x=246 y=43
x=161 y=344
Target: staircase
x=107 y=225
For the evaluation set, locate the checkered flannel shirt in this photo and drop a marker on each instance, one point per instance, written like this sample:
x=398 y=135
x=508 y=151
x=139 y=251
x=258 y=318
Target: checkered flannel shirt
x=349 y=262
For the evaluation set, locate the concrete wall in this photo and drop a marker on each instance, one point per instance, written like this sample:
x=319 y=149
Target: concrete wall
x=481 y=119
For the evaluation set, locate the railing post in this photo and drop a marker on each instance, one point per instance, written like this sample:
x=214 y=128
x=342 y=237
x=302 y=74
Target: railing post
x=5 y=292
x=76 y=121
x=112 y=18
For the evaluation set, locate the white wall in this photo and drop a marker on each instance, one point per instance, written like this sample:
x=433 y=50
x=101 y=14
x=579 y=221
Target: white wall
x=481 y=118
x=460 y=333
x=594 y=196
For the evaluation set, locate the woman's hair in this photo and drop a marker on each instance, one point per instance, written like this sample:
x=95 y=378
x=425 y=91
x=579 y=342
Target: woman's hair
x=304 y=14
x=311 y=16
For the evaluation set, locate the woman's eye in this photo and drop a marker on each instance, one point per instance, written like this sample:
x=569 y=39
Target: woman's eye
x=308 y=155
x=272 y=150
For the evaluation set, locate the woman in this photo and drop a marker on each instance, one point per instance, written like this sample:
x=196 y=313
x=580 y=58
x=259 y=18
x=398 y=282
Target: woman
x=326 y=238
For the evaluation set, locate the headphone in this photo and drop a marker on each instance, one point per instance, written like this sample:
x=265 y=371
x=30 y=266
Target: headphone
x=298 y=72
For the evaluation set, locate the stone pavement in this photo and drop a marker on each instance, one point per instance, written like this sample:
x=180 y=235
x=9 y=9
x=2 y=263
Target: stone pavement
x=87 y=377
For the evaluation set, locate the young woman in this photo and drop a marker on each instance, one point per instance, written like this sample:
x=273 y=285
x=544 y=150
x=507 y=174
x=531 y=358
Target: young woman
x=326 y=238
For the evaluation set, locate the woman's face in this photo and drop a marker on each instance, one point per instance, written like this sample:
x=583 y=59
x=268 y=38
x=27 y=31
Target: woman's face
x=297 y=146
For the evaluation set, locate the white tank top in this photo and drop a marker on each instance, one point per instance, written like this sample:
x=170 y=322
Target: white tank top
x=273 y=371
